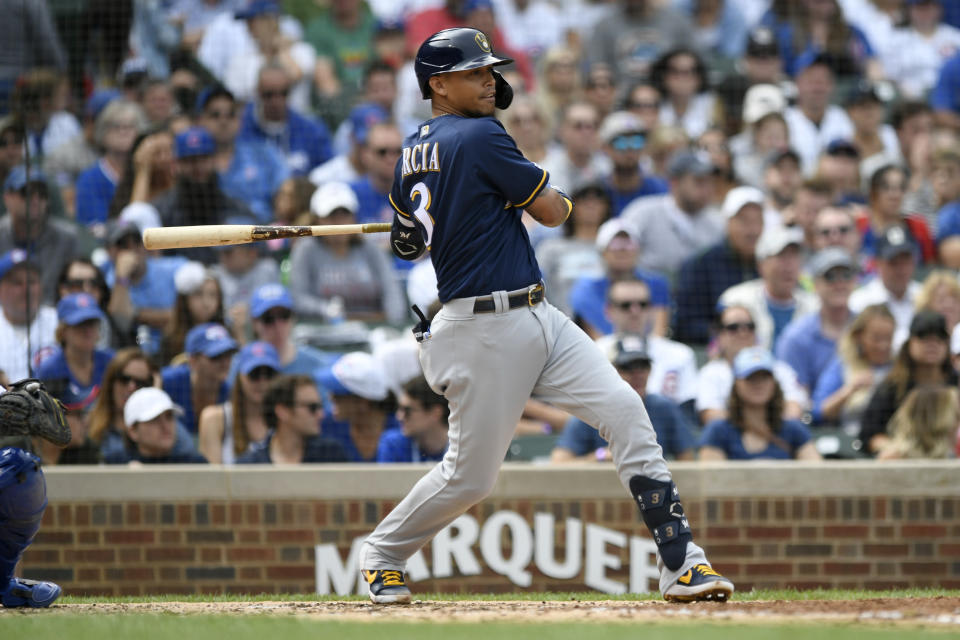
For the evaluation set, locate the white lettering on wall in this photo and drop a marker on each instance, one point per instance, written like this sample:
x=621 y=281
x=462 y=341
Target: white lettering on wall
x=543 y=526
x=521 y=546
x=448 y=548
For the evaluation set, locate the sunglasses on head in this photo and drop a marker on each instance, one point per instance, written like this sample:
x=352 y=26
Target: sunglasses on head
x=280 y=315
x=625 y=305
x=734 y=327
x=262 y=373
x=141 y=383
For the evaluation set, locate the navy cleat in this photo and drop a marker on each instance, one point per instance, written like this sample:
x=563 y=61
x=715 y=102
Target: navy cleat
x=700 y=582
x=387 y=586
x=29 y=593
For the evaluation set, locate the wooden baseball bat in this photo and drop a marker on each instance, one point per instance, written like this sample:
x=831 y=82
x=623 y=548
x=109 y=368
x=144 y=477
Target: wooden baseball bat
x=213 y=235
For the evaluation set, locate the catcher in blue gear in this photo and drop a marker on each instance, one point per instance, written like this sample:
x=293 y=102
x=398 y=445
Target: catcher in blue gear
x=26 y=411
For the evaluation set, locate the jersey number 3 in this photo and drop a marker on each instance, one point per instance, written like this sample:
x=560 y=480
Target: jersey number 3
x=420 y=195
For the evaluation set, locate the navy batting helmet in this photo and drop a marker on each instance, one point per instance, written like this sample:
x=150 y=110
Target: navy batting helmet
x=449 y=50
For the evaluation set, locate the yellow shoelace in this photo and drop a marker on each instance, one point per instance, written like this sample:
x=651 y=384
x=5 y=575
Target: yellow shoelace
x=706 y=570
x=393 y=579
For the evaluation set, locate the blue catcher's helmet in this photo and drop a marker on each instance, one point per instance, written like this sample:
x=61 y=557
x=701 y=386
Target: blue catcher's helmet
x=449 y=50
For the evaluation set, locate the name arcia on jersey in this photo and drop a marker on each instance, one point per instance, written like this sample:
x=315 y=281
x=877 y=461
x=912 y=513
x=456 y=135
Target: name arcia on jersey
x=421 y=158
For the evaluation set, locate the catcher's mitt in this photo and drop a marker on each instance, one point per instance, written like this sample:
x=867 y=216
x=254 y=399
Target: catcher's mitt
x=26 y=409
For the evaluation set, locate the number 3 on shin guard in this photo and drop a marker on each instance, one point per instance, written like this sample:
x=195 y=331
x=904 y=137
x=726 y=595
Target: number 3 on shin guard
x=662 y=512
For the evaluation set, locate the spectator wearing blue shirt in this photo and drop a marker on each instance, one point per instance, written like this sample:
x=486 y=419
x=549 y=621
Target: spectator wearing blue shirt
x=755 y=428
x=77 y=359
x=624 y=136
x=151 y=419
x=422 y=436
x=303 y=142
x=580 y=441
x=202 y=380
x=945 y=97
x=588 y=295
x=379 y=155
x=250 y=171
x=116 y=128
x=705 y=276
x=945 y=176
x=292 y=410
x=846 y=44
x=363 y=406
x=809 y=342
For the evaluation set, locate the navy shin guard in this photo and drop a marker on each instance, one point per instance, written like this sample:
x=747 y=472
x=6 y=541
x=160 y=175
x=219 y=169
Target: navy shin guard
x=662 y=512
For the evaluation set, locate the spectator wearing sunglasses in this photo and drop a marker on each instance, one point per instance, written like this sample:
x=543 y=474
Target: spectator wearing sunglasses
x=80 y=275
x=809 y=342
x=77 y=358
x=623 y=139
x=273 y=319
x=230 y=429
x=129 y=371
x=836 y=227
x=706 y=275
x=249 y=171
x=582 y=442
x=292 y=411
x=242 y=269
x=202 y=380
x=422 y=436
x=674 y=367
x=735 y=331
x=378 y=156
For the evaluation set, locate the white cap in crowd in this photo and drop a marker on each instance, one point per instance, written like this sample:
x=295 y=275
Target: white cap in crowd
x=739 y=197
x=773 y=241
x=146 y=404
x=761 y=100
x=332 y=196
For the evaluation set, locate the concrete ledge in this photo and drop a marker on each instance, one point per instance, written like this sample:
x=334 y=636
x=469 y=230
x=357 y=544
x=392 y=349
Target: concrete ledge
x=516 y=481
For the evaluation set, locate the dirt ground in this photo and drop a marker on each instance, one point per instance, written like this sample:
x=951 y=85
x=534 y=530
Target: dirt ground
x=940 y=612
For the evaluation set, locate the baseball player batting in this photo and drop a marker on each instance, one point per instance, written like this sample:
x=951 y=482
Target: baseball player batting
x=26 y=411
x=459 y=190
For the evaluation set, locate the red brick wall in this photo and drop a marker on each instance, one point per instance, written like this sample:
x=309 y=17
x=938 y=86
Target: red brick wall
x=137 y=548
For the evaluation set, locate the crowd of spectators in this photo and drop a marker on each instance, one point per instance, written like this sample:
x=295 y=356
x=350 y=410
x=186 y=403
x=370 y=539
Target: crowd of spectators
x=765 y=239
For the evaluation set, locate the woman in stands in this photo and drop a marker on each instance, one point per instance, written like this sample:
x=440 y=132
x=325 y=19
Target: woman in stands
x=864 y=356
x=924 y=359
x=228 y=430
x=755 y=427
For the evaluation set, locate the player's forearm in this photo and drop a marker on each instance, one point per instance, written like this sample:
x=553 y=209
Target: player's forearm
x=550 y=208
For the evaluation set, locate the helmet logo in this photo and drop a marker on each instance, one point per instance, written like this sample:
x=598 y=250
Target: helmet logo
x=482 y=42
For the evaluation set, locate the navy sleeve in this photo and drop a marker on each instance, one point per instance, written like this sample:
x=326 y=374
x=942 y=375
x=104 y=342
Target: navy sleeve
x=716 y=434
x=496 y=155
x=945 y=95
x=948 y=221
x=796 y=434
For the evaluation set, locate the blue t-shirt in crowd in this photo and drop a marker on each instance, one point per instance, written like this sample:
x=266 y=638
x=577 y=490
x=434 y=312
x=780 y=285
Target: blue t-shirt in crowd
x=651 y=186
x=94 y=191
x=374 y=206
x=806 y=349
x=176 y=382
x=340 y=432
x=156 y=290
x=54 y=367
x=948 y=220
x=114 y=449
x=782 y=315
x=724 y=435
x=254 y=175
x=315 y=449
x=396 y=447
x=945 y=95
x=674 y=433
x=304 y=143
x=588 y=297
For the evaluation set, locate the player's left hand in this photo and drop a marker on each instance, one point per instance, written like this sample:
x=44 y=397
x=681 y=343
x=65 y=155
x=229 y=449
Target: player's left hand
x=28 y=409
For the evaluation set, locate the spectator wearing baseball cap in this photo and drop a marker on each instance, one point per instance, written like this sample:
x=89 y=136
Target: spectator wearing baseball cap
x=887 y=187
x=623 y=137
x=249 y=171
x=760 y=64
x=77 y=403
x=896 y=263
x=363 y=405
x=813 y=121
x=52 y=241
x=151 y=417
x=336 y=277
x=809 y=342
x=273 y=319
x=672 y=227
x=872 y=137
x=729 y=262
x=350 y=139
x=228 y=430
x=202 y=380
x=77 y=359
x=242 y=269
x=765 y=132
x=619 y=248
x=922 y=360
x=776 y=297
x=20 y=303
x=630 y=357
x=754 y=429
x=292 y=410
x=199 y=301
x=65 y=163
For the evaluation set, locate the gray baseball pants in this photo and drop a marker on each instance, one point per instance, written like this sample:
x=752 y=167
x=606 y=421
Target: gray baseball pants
x=488 y=365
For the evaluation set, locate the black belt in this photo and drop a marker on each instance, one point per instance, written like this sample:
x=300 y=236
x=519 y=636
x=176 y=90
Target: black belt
x=529 y=298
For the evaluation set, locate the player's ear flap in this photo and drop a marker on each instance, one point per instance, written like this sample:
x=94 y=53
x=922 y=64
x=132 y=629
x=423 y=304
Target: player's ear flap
x=504 y=95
